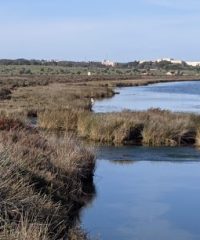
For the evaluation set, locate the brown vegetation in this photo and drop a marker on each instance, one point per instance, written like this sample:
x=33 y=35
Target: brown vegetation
x=153 y=128
x=169 y=129
x=40 y=99
x=43 y=183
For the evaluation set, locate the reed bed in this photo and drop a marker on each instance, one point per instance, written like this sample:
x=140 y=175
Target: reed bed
x=164 y=128
x=153 y=128
x=114 y=128
x=59 y=119
x=42 y=183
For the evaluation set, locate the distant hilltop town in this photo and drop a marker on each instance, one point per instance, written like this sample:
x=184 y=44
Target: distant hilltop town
x=109 y=63
x=171 y=60
x=151 y=64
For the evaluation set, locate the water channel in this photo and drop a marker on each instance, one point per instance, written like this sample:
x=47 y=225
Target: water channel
x=147 y=193
x=174 y=96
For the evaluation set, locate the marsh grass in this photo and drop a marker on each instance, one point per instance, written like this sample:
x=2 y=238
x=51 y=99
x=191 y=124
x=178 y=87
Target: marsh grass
x=58 y=119
x=153 y=128
x=116 y=128
x=25 y=230
x=164 y=128
x=42 y=183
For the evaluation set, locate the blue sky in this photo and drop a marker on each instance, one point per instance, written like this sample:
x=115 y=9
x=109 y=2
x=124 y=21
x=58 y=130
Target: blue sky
x=120 y=30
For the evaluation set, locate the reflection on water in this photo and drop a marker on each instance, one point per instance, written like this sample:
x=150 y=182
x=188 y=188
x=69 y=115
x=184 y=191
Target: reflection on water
x=122 y=162
x=88 y=196
x=157 y=197
x=176 y=96
x=76 y=206
x=141 y=153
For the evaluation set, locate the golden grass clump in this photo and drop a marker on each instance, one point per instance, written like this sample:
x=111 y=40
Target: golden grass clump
x=58 y=119
x=154 y=127
x=164 y=128
x=113 y=127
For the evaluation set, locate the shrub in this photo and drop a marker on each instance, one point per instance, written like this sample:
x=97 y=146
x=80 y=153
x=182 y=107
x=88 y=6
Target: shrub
x=5 y=93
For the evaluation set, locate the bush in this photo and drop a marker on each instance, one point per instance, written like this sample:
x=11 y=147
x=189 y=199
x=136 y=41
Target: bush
x=5 y=93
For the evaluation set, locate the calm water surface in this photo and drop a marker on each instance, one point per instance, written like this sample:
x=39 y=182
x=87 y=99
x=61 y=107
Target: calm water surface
x=177 y=96
x=147 y=193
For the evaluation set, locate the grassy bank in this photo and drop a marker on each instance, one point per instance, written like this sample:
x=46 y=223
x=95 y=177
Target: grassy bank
x=153 y=128
x=45 y=180
x=27 y=100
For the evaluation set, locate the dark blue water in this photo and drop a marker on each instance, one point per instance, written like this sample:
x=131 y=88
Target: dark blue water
x=176 y=96
x=145 y=194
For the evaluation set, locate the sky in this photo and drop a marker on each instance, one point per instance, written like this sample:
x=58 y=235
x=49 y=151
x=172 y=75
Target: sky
x=89 y=30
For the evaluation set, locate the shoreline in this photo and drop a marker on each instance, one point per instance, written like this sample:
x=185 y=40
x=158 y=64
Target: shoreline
x=143 y=81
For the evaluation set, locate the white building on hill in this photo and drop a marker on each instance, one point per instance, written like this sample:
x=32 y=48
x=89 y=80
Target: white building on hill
x=193 y=64
x=190 y=63
x=108 y=63
x=171 y=60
